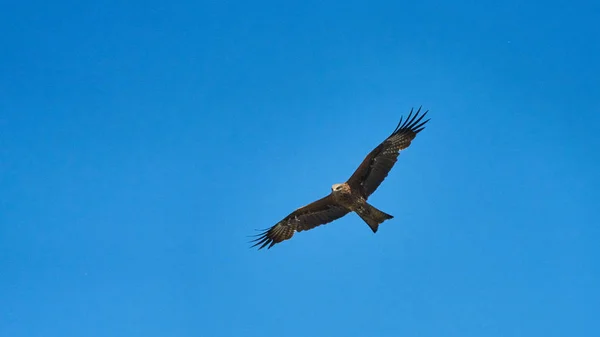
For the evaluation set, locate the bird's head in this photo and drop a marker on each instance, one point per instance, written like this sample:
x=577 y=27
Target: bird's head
x=337 y=187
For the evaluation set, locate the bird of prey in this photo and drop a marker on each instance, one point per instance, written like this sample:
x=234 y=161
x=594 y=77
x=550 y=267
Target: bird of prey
x=352 y=195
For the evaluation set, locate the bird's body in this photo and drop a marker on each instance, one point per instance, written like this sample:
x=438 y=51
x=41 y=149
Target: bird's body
x=345 y=196
x=352 y=195
x=354 y=201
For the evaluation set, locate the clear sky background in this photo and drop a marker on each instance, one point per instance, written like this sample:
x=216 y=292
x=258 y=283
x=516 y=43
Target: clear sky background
x=142 y=143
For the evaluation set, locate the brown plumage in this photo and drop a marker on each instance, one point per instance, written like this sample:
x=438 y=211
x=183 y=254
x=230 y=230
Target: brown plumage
x=352 y=195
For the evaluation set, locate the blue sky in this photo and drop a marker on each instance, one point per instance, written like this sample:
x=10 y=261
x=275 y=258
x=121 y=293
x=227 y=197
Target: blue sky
x=141 y=143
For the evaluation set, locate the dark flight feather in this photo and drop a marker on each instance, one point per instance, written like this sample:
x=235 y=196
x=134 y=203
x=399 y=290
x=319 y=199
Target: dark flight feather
x=318 y=213
x=379 y=162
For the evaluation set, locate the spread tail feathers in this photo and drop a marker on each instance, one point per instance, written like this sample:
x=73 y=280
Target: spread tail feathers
x=372 y=216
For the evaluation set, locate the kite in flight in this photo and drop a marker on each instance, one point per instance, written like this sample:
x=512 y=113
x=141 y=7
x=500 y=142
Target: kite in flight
x=352 y=195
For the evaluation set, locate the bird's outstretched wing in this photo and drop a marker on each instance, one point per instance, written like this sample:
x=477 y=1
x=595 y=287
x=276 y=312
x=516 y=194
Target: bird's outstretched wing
x=378 y=163
x=317 y=213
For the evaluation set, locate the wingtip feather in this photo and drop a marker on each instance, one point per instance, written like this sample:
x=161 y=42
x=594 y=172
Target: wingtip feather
x=412 y=121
